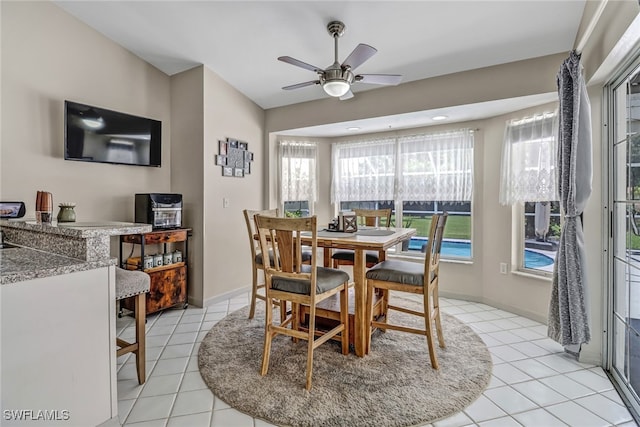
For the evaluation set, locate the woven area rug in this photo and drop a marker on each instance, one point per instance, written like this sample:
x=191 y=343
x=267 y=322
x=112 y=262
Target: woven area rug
x=392 y=386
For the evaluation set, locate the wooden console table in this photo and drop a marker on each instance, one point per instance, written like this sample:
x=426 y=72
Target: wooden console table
x=168 y=282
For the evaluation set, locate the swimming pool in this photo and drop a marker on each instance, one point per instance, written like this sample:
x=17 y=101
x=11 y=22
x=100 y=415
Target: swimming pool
x=532 y=259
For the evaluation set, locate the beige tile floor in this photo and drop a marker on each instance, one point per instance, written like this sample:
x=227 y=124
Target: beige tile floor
x=533 y=382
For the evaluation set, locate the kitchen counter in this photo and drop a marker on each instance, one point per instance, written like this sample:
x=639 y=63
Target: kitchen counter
x=79 y=229
x=86 y=241
x=57 y=288
x=20 y=263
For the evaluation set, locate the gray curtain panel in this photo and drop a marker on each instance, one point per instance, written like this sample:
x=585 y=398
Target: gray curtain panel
x=568 y=309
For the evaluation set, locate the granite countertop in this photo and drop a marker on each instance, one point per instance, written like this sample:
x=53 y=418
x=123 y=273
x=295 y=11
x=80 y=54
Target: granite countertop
x=45 y=250
x=21 y=263
x=80 y=229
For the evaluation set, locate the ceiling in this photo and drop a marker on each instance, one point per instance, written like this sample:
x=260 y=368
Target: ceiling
x=241 y=41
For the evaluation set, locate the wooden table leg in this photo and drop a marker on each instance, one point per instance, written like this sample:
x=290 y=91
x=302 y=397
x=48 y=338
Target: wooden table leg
x=326 y=257
x=360 y=323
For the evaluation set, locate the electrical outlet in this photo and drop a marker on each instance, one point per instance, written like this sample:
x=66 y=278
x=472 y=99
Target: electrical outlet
x=225 y=202
x=503 y=268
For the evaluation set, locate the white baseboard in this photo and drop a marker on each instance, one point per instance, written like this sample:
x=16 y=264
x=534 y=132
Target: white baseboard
x=225 y=296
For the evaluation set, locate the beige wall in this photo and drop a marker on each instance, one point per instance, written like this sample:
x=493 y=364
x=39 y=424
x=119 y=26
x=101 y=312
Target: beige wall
x=612 y=24
x=49 y=56
x=206 y=109
x=521 y=78
x=229 y=114
x=187 y=160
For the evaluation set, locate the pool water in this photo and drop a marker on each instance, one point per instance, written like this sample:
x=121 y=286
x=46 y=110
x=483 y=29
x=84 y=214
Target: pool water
x=463 y=250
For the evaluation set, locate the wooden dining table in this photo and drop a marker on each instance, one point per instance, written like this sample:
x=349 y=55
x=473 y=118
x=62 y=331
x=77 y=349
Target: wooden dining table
x=363 y=240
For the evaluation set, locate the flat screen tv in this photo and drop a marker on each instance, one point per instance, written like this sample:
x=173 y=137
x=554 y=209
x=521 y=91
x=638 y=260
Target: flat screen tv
x=95 y=134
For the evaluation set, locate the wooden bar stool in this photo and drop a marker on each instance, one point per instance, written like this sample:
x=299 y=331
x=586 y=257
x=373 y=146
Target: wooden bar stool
x=133 y=283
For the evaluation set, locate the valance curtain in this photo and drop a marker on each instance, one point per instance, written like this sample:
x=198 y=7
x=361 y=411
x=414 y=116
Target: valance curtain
x=426 y=167
x=298 y=173
x=528 y=172
x=568 y=321
x=436 y=166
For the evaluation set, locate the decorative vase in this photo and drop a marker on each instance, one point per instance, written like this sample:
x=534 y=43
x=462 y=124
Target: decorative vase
x=67 y=214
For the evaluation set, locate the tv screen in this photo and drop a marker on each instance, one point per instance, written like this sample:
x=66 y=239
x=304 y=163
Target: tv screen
x=95 y=134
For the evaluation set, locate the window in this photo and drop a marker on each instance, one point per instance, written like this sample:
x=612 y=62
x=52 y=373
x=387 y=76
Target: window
x=541 y=231
x=416 y=176
x=298 y=183
x=528 y=183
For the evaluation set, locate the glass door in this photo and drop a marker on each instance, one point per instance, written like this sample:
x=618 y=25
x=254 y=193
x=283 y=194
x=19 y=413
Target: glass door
x=624 y=179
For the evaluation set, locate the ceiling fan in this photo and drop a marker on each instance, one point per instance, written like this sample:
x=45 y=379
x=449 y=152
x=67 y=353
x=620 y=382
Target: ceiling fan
x=336 y=79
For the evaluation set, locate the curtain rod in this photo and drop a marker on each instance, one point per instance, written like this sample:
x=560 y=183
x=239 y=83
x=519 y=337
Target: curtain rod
x=591 y=26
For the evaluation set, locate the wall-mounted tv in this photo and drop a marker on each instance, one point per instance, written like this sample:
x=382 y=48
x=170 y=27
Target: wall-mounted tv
x=94 y=134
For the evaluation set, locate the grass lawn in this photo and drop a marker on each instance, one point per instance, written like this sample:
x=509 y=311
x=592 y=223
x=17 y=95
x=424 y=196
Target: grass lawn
x=458 y=226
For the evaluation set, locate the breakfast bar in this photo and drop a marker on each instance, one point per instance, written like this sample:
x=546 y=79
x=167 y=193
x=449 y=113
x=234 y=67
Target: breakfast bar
x=57 y=300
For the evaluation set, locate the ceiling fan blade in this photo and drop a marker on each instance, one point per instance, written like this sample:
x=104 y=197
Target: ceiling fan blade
x=298 y=63
x=379 y=79
x=303 y=84
x=360 y=54
x=347 y=95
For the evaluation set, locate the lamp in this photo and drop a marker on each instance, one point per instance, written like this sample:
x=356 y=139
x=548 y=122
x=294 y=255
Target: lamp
x=335 y=88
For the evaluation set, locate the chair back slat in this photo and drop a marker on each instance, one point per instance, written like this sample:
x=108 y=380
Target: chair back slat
x=434 y=247
x=251 y=227
x=285 y=251
x=283 y=237
x=373 y=217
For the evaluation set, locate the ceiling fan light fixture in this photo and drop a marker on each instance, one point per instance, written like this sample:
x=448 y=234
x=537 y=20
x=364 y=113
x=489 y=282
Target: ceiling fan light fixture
x=92 y=119
x=336 y=88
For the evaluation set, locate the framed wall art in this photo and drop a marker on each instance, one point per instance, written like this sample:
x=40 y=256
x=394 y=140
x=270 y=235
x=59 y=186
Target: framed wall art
x=234 y=157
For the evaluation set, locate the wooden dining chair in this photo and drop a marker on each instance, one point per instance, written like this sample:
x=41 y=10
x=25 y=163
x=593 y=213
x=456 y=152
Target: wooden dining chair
x=256 y=255
x=406 y=276
x=371 y=218
x=288 y=279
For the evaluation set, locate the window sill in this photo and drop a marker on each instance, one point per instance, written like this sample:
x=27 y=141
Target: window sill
x=542 y=277
x=418 y=258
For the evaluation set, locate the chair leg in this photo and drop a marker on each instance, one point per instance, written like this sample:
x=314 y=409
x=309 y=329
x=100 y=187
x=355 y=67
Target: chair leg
x=344 y=317
x=268 y=335
x=141 y=311
x=429 y=332
x=310 y=344
x=436 y=311
x=283 y=311
x=297 y=317
x=369 y=317
x=384 y=294
x=254 y=293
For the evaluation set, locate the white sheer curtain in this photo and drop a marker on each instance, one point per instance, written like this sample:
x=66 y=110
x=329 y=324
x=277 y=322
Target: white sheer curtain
x=529 y=152
x=426 y=167
x=363 y=170
x=298 y=181
x=436 y=166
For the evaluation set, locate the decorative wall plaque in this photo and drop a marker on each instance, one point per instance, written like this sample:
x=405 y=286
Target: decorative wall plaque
x=234 y=157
